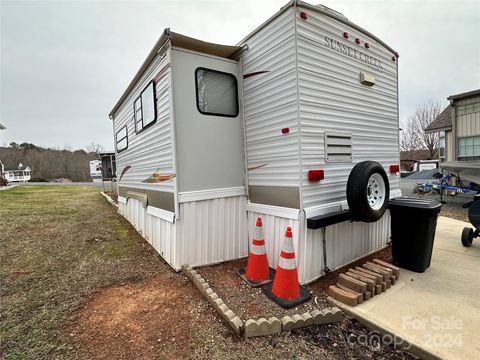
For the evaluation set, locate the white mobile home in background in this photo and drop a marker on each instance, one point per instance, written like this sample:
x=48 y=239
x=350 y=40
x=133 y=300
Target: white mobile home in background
x=96 y=170
x=208 y=137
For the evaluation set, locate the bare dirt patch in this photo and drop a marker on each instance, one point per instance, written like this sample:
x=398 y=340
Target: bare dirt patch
x=140 y=320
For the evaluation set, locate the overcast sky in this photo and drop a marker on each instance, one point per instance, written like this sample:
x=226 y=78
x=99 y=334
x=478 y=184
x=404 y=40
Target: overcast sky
x=64 y=63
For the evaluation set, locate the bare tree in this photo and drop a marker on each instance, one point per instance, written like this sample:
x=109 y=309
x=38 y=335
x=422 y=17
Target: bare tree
x=95 y=148
x=414 y=137
x=409 y=139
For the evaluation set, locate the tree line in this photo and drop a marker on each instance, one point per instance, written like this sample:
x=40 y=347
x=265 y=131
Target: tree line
x=50 y=163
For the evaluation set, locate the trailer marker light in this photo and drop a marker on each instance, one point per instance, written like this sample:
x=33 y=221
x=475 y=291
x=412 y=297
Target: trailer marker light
x=303 y=15
x=345 y=35
x=393 y=58
x=367 y=45
x=285 y=130
x=396 y=54
x=357 y=40
x=316 y=175
x=394 y=169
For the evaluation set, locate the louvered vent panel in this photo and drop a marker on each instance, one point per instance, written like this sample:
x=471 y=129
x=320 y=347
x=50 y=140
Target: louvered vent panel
x=338 y=146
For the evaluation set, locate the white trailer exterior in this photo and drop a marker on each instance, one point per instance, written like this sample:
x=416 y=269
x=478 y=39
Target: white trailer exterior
x=309 y=98
x=96 y=170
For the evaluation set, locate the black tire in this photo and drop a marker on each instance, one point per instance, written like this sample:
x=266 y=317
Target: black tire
x=467 y=237
x=357 y=196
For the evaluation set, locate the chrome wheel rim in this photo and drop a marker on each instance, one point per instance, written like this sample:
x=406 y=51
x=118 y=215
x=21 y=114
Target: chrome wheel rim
x=376 y=191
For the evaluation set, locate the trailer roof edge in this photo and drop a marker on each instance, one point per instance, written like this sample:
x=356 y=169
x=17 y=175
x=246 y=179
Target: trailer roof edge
x=344 y=20
x=163 y=38
x=180 y=41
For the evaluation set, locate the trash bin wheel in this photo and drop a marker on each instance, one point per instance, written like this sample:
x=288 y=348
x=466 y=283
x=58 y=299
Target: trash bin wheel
x=467 y=236
x=367 y=191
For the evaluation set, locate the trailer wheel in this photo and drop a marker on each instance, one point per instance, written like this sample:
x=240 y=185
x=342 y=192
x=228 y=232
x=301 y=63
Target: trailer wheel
x=467 y=237
x=367 y=191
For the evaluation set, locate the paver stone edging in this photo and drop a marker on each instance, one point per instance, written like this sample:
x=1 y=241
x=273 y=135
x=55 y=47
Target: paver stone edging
x=262 y=326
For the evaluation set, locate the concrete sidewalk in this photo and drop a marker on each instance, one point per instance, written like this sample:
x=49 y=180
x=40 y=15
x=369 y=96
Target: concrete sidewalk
x=438 y=311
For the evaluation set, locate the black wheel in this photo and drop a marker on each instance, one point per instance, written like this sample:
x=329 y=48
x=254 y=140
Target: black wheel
x=467 y=237
x=367 y=191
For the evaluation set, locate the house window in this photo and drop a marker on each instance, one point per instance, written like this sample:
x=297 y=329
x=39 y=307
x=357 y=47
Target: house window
x=217 y=93
x=469 y=147
x=144 y=108
x=467 y=109
x=441 y=145
x=121 y=139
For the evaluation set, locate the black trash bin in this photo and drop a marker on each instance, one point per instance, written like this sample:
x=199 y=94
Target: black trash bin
x=413 y=224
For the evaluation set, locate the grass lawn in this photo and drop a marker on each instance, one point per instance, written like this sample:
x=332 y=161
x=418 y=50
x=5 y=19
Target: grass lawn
x=78 y=282
x=59 y=244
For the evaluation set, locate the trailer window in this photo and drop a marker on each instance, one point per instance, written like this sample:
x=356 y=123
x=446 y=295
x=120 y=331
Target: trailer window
x=217 y=92
x=121 y=139
x=441 y=145
x=144 y=108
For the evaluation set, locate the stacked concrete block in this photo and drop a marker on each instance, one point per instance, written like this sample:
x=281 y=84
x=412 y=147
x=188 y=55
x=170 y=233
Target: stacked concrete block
x=361 y=283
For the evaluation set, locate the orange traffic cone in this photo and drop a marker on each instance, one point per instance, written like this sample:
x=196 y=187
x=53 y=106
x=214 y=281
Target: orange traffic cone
x=285 y=285
x=257 y=266
x=286 y=290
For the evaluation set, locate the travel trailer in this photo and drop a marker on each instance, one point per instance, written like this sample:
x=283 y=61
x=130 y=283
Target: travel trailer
x=297 y=123
x=96 y=170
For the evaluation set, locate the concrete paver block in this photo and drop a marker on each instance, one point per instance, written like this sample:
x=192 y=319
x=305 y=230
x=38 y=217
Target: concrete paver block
x=291 y=322
x=395 y=269
x=236 y=324
x=365 y=275
x=342 y=295
x=332 y=315
x=393 y=279
x=262 y=327
x=352 y=283
x=386 y=272
x=378 y=276
x=357 y=294
x=370 y=283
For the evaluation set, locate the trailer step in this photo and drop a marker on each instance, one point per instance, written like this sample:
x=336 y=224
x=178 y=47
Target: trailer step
x=322 y=221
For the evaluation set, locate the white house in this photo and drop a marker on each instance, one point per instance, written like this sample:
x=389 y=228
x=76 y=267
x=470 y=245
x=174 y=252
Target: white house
x=21 y=174
x=298 y=124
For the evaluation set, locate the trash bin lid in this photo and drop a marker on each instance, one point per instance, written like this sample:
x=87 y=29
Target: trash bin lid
x=414 y=203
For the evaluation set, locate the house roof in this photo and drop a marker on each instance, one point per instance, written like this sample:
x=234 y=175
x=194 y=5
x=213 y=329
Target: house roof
x=464 y=95
x=181 y=41
x=442 y=122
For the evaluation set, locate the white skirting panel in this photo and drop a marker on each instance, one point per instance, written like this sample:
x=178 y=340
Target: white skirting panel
x=274 y=231
x=211 y=231
x=135 y=213
x=346 y=242
x=161 y=235
x=158 y=232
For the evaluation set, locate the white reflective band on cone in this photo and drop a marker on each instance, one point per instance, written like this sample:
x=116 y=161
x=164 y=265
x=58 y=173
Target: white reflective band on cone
x=258 y=234
x=288 y=245
x=257 y=249
x=287 y=264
